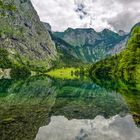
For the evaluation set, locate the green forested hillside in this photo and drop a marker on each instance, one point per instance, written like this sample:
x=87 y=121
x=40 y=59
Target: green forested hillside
x=4 y=60
x=125 y=65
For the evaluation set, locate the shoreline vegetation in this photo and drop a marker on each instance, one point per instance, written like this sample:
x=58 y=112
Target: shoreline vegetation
x=67 y=73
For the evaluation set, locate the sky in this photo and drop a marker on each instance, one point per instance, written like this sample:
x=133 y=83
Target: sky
x=97 y=14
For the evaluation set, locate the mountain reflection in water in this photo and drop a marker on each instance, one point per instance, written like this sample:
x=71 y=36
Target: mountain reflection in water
x=28 y=104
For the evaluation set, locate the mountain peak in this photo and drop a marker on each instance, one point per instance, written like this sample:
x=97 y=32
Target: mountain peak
x=107 y=31
x=69 y=30
x=122 y=33
x=80 y=30
x=47 y=26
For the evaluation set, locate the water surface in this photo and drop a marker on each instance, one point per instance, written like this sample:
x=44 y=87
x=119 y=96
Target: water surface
x=115 y=128
x=40 y=107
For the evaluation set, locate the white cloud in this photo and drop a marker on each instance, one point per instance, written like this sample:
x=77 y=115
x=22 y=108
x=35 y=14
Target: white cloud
x=97 y=14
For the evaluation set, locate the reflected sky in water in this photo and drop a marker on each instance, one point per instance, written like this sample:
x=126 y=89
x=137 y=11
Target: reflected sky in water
x=68 y=110
x=115 y=128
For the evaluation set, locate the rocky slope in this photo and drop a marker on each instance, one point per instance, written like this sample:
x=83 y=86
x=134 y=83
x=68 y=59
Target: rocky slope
x=24 y=36
x=89 y=45
x=47 y=26
x=66 y=55
x=119 y=47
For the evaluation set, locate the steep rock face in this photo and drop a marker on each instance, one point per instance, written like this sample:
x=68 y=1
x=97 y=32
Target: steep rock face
x=119 y=47
x=89 y=45
x=22 y=33
x=122 y=33
x=47 y=26
x=67 y=56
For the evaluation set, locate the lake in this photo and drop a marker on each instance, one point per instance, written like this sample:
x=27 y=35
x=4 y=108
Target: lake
x=45 y=108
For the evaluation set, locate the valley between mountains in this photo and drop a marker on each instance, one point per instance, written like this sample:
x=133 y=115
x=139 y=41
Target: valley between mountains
x=76 y=84
x=28 y=45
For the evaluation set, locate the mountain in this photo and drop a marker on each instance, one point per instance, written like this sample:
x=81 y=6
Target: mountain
x=118 y=47
x=66 y=55
x=125 y=65
x=24 y=37
x=89 y=45
x=122 y=33
x=47 y=26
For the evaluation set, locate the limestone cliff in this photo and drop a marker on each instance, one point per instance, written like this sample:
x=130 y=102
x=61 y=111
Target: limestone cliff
x=24 y=36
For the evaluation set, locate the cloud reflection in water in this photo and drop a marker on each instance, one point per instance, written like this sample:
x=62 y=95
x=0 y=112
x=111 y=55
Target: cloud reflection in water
x=115 y=128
